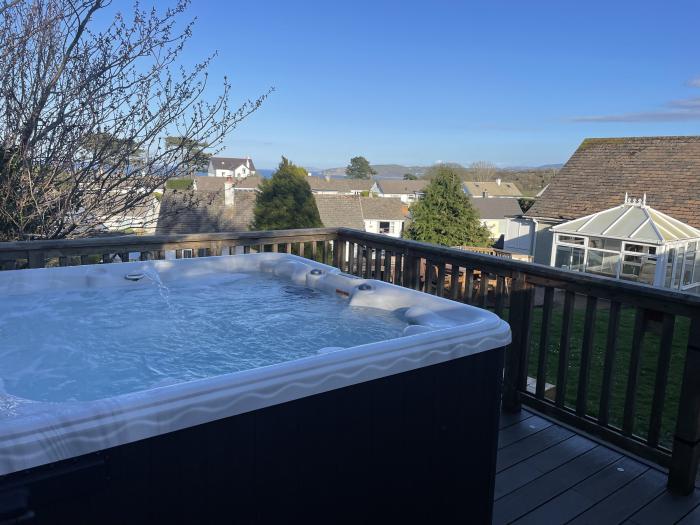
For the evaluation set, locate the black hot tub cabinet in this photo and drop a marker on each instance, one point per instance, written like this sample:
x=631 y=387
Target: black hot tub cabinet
x=400 y=431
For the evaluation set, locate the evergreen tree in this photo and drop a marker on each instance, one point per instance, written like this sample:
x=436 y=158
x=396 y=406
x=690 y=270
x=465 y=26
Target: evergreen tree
x=285 y=201
x=445 y=215
x=359 y=168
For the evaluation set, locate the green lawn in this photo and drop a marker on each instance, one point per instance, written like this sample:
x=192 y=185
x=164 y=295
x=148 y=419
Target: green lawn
x=647 y=376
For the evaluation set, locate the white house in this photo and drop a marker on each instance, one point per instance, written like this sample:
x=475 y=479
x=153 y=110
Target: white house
x=231 y=167
x=491 y=189
x=372 y=214
x=406 y=190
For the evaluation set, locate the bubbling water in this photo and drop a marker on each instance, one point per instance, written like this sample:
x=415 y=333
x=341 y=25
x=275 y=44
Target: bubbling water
x=92 y=344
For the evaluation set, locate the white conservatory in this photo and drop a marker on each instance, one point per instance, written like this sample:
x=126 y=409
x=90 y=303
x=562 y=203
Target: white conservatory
x=634 y=242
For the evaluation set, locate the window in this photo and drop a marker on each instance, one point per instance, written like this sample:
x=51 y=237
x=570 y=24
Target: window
x=570 y=239
x=605 y=244
x=385 y=227
x=569 y=258
x=187 y=253
x=602 y=263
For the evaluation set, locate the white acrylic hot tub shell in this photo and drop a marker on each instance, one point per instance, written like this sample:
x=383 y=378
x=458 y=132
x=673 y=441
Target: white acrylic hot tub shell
x=443 y=330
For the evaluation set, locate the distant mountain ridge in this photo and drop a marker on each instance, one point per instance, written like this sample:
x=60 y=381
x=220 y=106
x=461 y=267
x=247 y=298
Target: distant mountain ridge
x=397 y=171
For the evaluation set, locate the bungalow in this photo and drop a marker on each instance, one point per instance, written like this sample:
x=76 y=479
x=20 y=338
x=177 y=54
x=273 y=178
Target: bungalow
x=406 y=190
x=599 y=175
x=371 y=214
x=495 y=214
x=494 y=188
x=231 y=167
x=215 y=204
x=329 y=186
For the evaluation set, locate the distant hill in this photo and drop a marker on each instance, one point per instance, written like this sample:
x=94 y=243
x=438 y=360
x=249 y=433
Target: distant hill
x=384 y=171
x=529 y=179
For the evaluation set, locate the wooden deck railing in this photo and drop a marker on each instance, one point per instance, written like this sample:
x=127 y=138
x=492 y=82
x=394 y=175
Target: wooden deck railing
x=618 y=360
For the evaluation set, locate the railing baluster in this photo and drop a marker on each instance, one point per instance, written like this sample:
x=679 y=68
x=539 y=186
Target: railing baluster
x=398 y=269
x=314 y=247
x=440 y=288
x=386 y=276
x=351 y=257
x=378 y=264
x=483 y=288
x=515 y=373
x=469 y=292
x=633 y=375
x=686 y=441
x=609 y=365
x=662 y=367
x=586 y=355
x=500 y=295
x=563 y=368
x=454 y=281
x=544 y=342
x=288 y=247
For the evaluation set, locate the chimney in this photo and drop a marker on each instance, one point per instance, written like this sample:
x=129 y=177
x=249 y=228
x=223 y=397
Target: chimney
x=229 y=192
x=247 y=162
x=498 y=181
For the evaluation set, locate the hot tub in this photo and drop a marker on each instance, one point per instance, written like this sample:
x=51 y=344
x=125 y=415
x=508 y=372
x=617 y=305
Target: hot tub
x=247 y=388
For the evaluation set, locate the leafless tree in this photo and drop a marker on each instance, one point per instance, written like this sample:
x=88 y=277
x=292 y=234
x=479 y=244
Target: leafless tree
x=482 y=171
x=86 y=106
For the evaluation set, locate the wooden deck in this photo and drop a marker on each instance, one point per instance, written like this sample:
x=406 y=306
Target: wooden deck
x=548 y=474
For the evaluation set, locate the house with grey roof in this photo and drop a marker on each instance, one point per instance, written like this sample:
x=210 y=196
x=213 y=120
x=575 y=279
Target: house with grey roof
x=372 y=214
x=598 y=176
x=490 y=189
x=406 y=190
x=345 y=186
x=216 y=204
x=238 y=168
x=495 y=214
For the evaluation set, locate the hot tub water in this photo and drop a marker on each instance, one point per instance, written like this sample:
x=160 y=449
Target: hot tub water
x=96 y=343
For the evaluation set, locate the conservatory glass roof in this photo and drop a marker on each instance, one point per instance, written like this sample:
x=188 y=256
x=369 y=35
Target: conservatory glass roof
x=631 y=221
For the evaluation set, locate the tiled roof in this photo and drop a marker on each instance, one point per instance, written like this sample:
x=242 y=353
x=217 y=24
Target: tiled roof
x=229 y=163
x=248 y=183
x=350 y=211
x=340 y=211
x=493 y=188
x=204 y=212
x=497 y=208
x=339 y=185
x=601 y=171
x=400 y=187
x=383 y=208
x=210 y=183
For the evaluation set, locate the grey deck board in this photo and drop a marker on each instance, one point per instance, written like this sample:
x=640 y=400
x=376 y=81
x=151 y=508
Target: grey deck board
x=624 y=502
x=511 y=418
x=668 y=507
x=549 y=474
x=526 y=471
x=521 y=430
x=531 y=445
x=539 y=491
x=587 y=493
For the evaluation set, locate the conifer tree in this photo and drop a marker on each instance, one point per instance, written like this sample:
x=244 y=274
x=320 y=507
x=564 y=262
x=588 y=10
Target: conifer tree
x=445 y=215
x=285 y=201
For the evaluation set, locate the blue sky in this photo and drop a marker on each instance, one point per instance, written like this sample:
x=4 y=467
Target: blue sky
x=515 y=83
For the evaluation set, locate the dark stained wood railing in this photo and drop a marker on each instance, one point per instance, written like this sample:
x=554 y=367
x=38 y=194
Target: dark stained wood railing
x=618 y=360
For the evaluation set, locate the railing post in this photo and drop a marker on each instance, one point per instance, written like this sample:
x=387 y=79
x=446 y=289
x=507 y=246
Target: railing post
x=36 y=259
x=686 y=441
x=516 y=354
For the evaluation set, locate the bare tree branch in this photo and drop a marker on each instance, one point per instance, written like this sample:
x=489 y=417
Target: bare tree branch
x=85 y=113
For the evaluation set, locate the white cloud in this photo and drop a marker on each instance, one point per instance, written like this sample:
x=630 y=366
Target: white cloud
x=694 y=82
